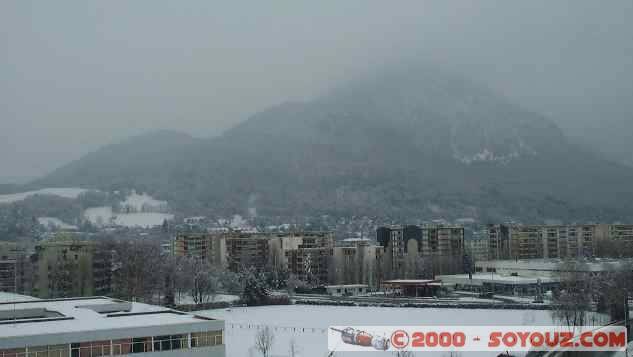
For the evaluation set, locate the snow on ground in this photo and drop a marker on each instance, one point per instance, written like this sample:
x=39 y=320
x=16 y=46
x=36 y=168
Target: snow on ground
x=308 y=324
x=62 y=192
x=55 y=222
x=103 y=216
x=145 y=220
x=144 y=203
x=99 y=216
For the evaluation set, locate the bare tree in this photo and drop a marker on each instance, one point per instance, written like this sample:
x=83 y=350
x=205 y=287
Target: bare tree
x=573 y=301
x=293 y=349
x=264 y=340
x=205 y=284
x=138 y=269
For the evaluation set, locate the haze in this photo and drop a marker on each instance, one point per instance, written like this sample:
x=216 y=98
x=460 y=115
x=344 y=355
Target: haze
x=78 y=75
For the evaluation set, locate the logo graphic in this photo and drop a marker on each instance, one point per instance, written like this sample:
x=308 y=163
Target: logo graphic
x=400 y=339
x=477 y=338
x=356 y=337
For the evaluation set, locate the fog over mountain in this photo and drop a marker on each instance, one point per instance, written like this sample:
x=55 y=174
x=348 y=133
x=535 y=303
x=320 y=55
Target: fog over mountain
x=408 y=141
x=80 y=75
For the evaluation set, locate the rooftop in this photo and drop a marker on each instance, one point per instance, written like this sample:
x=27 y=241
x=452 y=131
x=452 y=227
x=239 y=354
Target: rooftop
x=22 y=318
x=409 y=282
x=6 y=297
x=350 y=286
x=491 y=278
x=554 y=264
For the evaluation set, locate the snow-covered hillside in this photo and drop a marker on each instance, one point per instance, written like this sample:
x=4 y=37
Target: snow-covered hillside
x=61 y=192
x=138 y=210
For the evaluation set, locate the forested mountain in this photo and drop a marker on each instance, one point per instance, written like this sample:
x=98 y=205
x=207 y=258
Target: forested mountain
x=407 y=142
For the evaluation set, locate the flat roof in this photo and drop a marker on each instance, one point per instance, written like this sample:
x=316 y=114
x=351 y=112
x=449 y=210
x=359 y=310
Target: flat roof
x=6 y=297
x=410 y=282
x=346 y=286
x=80 y=315
x=554 y=264
x=490 y=278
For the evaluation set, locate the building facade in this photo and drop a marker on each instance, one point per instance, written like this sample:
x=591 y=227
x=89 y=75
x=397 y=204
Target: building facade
x=100 y=326
x=552 y=241
x=306 y=255
x=207 y=246
x=358 y=261
x=413 y=252
x=498 y=237
x=68 y=267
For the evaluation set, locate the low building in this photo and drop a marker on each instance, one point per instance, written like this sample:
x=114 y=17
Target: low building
x=548 y=268
x=100 y=326
x=500 y=284
x=347 y=290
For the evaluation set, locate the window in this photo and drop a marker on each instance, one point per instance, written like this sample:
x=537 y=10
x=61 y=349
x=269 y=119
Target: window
x=15 y=352
x=92 y=349
x=48 y=351
x=210 y=338
x=170 y=342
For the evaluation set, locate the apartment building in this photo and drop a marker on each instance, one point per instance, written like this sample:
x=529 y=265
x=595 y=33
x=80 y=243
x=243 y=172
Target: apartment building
x=210 y=247
x=498 y=237
x=248 y=250
x=9 y=276
x=552 y=241
x=415 y=251
x=526 y=242
x=69 y=267
x=100 y=326
x=358 y=261
x=621 y=234
x=306 y=255
x=477 y=248
x=15 y=268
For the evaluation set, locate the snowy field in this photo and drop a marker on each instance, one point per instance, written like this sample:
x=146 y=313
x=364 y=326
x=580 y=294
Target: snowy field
x=144 y=203
x=308 y=324
x=55 y=222
x=61 y=192
x=103 y=216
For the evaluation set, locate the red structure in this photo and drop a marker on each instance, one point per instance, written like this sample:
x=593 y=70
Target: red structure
x=412 y=288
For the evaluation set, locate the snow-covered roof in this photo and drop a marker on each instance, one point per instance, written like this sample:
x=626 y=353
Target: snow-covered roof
x=492 y=278
x=554 y=264
x=409 y=282
x=6 y=297
x=350 y=286
x=68 y=316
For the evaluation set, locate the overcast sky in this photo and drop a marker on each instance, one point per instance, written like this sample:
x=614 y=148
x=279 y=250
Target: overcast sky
x=75 y=75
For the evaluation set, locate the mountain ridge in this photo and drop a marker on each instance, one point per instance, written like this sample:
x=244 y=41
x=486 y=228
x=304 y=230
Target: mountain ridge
x=400 y=143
